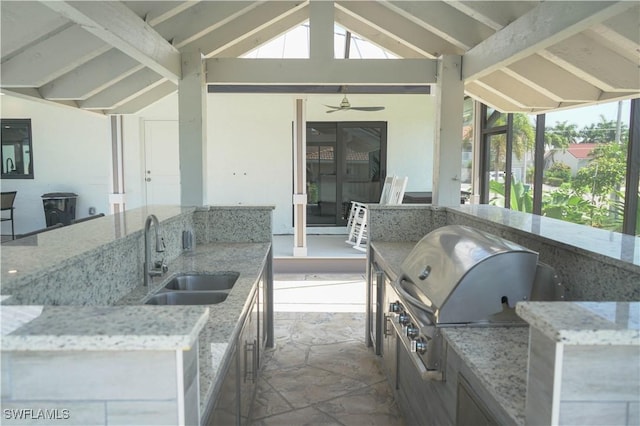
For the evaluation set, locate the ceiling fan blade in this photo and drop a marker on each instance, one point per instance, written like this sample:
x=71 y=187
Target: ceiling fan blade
x=375 y=108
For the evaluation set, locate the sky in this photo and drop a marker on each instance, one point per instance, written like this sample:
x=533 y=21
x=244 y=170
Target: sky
x=588 y=115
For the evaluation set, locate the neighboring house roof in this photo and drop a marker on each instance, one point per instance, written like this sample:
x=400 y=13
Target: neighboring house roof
x=581 y=150
x=117 y=57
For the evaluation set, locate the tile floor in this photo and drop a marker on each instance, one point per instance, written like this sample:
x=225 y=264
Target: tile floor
x=321 y=372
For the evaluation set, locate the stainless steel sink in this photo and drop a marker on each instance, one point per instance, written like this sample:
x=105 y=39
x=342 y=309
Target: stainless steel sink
x=188 y=298
x=203 y=282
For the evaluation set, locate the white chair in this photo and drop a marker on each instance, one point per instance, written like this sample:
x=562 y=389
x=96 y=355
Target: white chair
x=359 y=228
x=358 y=209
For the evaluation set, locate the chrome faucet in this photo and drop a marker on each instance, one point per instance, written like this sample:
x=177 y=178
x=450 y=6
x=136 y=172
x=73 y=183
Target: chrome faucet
x=159 y=267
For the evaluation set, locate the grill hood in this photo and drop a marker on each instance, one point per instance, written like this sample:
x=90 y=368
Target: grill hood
x=457 y=275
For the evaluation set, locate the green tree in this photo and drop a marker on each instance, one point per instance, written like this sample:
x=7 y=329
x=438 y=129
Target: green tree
x=561 y=135
x=604 y=174
x=558 y=172
x=603 y=132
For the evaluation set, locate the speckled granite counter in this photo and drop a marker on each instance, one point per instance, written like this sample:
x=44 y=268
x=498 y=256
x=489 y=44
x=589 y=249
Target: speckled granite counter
x=585 y=323
x=124 y=328
x=223 y=323
x=498 y=358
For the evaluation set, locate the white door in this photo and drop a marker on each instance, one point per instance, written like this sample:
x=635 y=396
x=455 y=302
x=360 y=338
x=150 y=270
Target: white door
x=161 y=162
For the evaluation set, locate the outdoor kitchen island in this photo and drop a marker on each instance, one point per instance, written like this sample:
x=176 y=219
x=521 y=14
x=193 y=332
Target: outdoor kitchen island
x=102 y=356
x=571 y=362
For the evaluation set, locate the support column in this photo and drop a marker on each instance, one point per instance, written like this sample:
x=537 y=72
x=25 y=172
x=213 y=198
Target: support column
x=448 y=132
x=192 y=111
x=299 y=180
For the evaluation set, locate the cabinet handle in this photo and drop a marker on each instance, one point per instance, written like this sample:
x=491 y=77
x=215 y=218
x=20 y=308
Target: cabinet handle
x=385 y=328
x=249 y=373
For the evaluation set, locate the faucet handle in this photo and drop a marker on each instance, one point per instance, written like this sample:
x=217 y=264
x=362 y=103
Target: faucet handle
x=160 y=246
x=161 y=265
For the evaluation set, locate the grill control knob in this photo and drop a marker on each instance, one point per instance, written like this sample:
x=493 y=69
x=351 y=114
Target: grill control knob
x=419 y=346
x=412 y=331
x=403 y=318
x=395 y=307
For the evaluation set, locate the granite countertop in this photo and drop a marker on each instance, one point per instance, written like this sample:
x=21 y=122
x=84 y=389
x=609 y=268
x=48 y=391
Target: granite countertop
x=585 y=323
x=498 y=358
x=80 y=328
x=131 y=325
x=625 y=249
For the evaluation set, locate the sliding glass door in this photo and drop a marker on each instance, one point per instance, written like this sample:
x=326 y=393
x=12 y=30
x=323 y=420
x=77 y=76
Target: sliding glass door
x=346 y=162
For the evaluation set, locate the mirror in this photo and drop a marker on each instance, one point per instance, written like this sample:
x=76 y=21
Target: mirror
x=17 y=154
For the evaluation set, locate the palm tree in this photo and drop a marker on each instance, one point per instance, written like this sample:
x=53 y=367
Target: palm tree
x=560 y=137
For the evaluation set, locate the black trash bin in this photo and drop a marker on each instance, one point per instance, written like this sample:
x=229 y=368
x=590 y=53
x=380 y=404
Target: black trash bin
x=59 y=207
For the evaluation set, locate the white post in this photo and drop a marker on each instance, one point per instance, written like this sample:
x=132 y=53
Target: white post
x=448 y=132
x=300 y=179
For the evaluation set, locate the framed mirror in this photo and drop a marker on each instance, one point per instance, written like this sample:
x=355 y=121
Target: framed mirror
x=17 y=152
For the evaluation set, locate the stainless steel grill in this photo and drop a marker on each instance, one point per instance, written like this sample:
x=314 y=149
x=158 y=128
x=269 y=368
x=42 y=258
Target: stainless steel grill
x=460 y=276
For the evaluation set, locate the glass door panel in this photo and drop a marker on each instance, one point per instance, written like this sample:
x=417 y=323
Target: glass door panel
x=321 y=174
x=497 y=165
x=360 y=166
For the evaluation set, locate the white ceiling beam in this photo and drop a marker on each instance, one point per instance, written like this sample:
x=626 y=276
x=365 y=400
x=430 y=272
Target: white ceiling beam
x=595 y=64
x=15 y=35
x=626 y=25
x=307 y=71
x=490 y=98
x=399 y=28
x=146 y=99
x=243 y=27
x=51 y=58
x=117 y=25
x=376 y=37
x=321 y=31
x=516 y=91
x=91 y=77
x=266 y=34
x=494 y=14
x=123 y=91
x=202 y=19
x=551 y=80
x=167 y=10
x=542 y=27
x=33 y=95
x=443 y=20
x=615 y=41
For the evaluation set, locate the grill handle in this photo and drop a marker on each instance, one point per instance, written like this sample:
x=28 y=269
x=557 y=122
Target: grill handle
x=410 y=298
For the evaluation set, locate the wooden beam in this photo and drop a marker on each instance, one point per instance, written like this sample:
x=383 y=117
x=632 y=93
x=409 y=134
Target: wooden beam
x=399 y=28
x=308 y=71
x=243 y=27
x=266 y=34
x=552 y=80
x=544 y=26
x=117 y=25
x=51 y=58
x=91 y=77
x=321 y=31
x=595 y=64
x=123 y=91
x=147 y=98
x=490 y=98
x=443 y=20
x=516 y=91
x=380 y=39
x=494 y=14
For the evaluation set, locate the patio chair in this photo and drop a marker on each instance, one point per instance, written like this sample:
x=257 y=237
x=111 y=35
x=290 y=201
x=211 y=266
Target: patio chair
x=394 y=196
x=7 y=205
x=358 y=208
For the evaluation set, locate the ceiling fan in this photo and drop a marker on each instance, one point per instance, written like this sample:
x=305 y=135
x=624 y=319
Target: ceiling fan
x=346 y=105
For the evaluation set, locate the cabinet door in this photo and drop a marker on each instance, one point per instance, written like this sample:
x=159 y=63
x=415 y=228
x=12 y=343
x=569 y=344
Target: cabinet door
x=225 y=411
x=248 y=359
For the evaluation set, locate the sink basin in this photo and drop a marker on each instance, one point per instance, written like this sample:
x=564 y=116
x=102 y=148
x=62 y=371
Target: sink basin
x=187 y=298
x=203 y=282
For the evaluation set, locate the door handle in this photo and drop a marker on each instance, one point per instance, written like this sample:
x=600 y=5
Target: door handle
x=148 y=179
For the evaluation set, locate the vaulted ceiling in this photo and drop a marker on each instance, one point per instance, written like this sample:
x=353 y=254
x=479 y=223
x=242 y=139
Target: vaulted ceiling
x=117 y=57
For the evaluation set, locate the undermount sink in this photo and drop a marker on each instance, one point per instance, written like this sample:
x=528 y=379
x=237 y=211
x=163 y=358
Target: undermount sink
x=187 y=298
x=203 y=282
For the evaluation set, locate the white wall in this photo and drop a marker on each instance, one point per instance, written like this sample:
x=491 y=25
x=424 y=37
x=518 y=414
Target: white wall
x=71 y=153
x=249 y=151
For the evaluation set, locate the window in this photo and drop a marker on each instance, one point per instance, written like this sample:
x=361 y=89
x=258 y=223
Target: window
x=17 y=154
